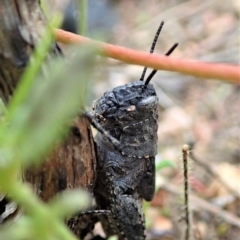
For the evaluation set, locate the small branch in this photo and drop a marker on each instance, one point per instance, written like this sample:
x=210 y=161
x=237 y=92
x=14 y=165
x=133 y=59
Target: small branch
x=228 y=73
x=187 y=219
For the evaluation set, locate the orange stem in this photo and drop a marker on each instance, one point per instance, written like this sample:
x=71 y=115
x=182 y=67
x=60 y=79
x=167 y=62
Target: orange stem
x=229 y=73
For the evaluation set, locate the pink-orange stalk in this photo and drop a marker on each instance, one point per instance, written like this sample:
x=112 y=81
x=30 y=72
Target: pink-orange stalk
x=229 y=73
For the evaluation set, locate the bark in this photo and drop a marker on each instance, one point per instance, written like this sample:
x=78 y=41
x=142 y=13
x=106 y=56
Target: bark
x=71 y=164
x=21 y=25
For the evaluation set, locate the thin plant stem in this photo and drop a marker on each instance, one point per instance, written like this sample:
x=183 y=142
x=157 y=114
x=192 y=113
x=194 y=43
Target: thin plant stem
x=185 y=150
x=226 y=72
x=83 y=17
x=22 y=194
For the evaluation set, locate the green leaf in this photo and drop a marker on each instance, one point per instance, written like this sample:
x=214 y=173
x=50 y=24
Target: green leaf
x=41 y=118
x=164 y=163
x=113 y=238
x=20 y=229
x=69 y=202
x=35 y=64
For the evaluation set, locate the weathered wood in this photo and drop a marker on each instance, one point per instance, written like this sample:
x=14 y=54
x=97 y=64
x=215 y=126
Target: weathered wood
x=21 y=25
x=72 y=163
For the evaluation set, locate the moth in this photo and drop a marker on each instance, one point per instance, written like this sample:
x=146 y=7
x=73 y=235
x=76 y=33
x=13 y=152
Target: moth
x=127 y=120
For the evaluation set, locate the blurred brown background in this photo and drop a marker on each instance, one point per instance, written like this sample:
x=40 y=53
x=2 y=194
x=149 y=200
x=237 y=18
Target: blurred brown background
x=203 y=113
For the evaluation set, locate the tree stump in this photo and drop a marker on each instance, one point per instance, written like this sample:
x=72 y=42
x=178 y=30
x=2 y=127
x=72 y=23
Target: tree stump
x=72 y=163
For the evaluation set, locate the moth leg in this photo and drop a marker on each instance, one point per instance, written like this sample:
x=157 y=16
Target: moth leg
x=93 y=213
x=98 y=126
x=83 y=223
x=127 y=213
x=130 y=179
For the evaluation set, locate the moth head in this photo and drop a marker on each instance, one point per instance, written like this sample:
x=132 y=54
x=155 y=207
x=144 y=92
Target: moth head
x=132 y=102
x=128 y=103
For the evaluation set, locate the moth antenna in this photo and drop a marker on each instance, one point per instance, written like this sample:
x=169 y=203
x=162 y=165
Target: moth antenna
x=154 y=71
x=152 y=48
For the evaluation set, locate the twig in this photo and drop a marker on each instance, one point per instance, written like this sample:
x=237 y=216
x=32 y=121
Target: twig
x=229 y=73
x=187 y=219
